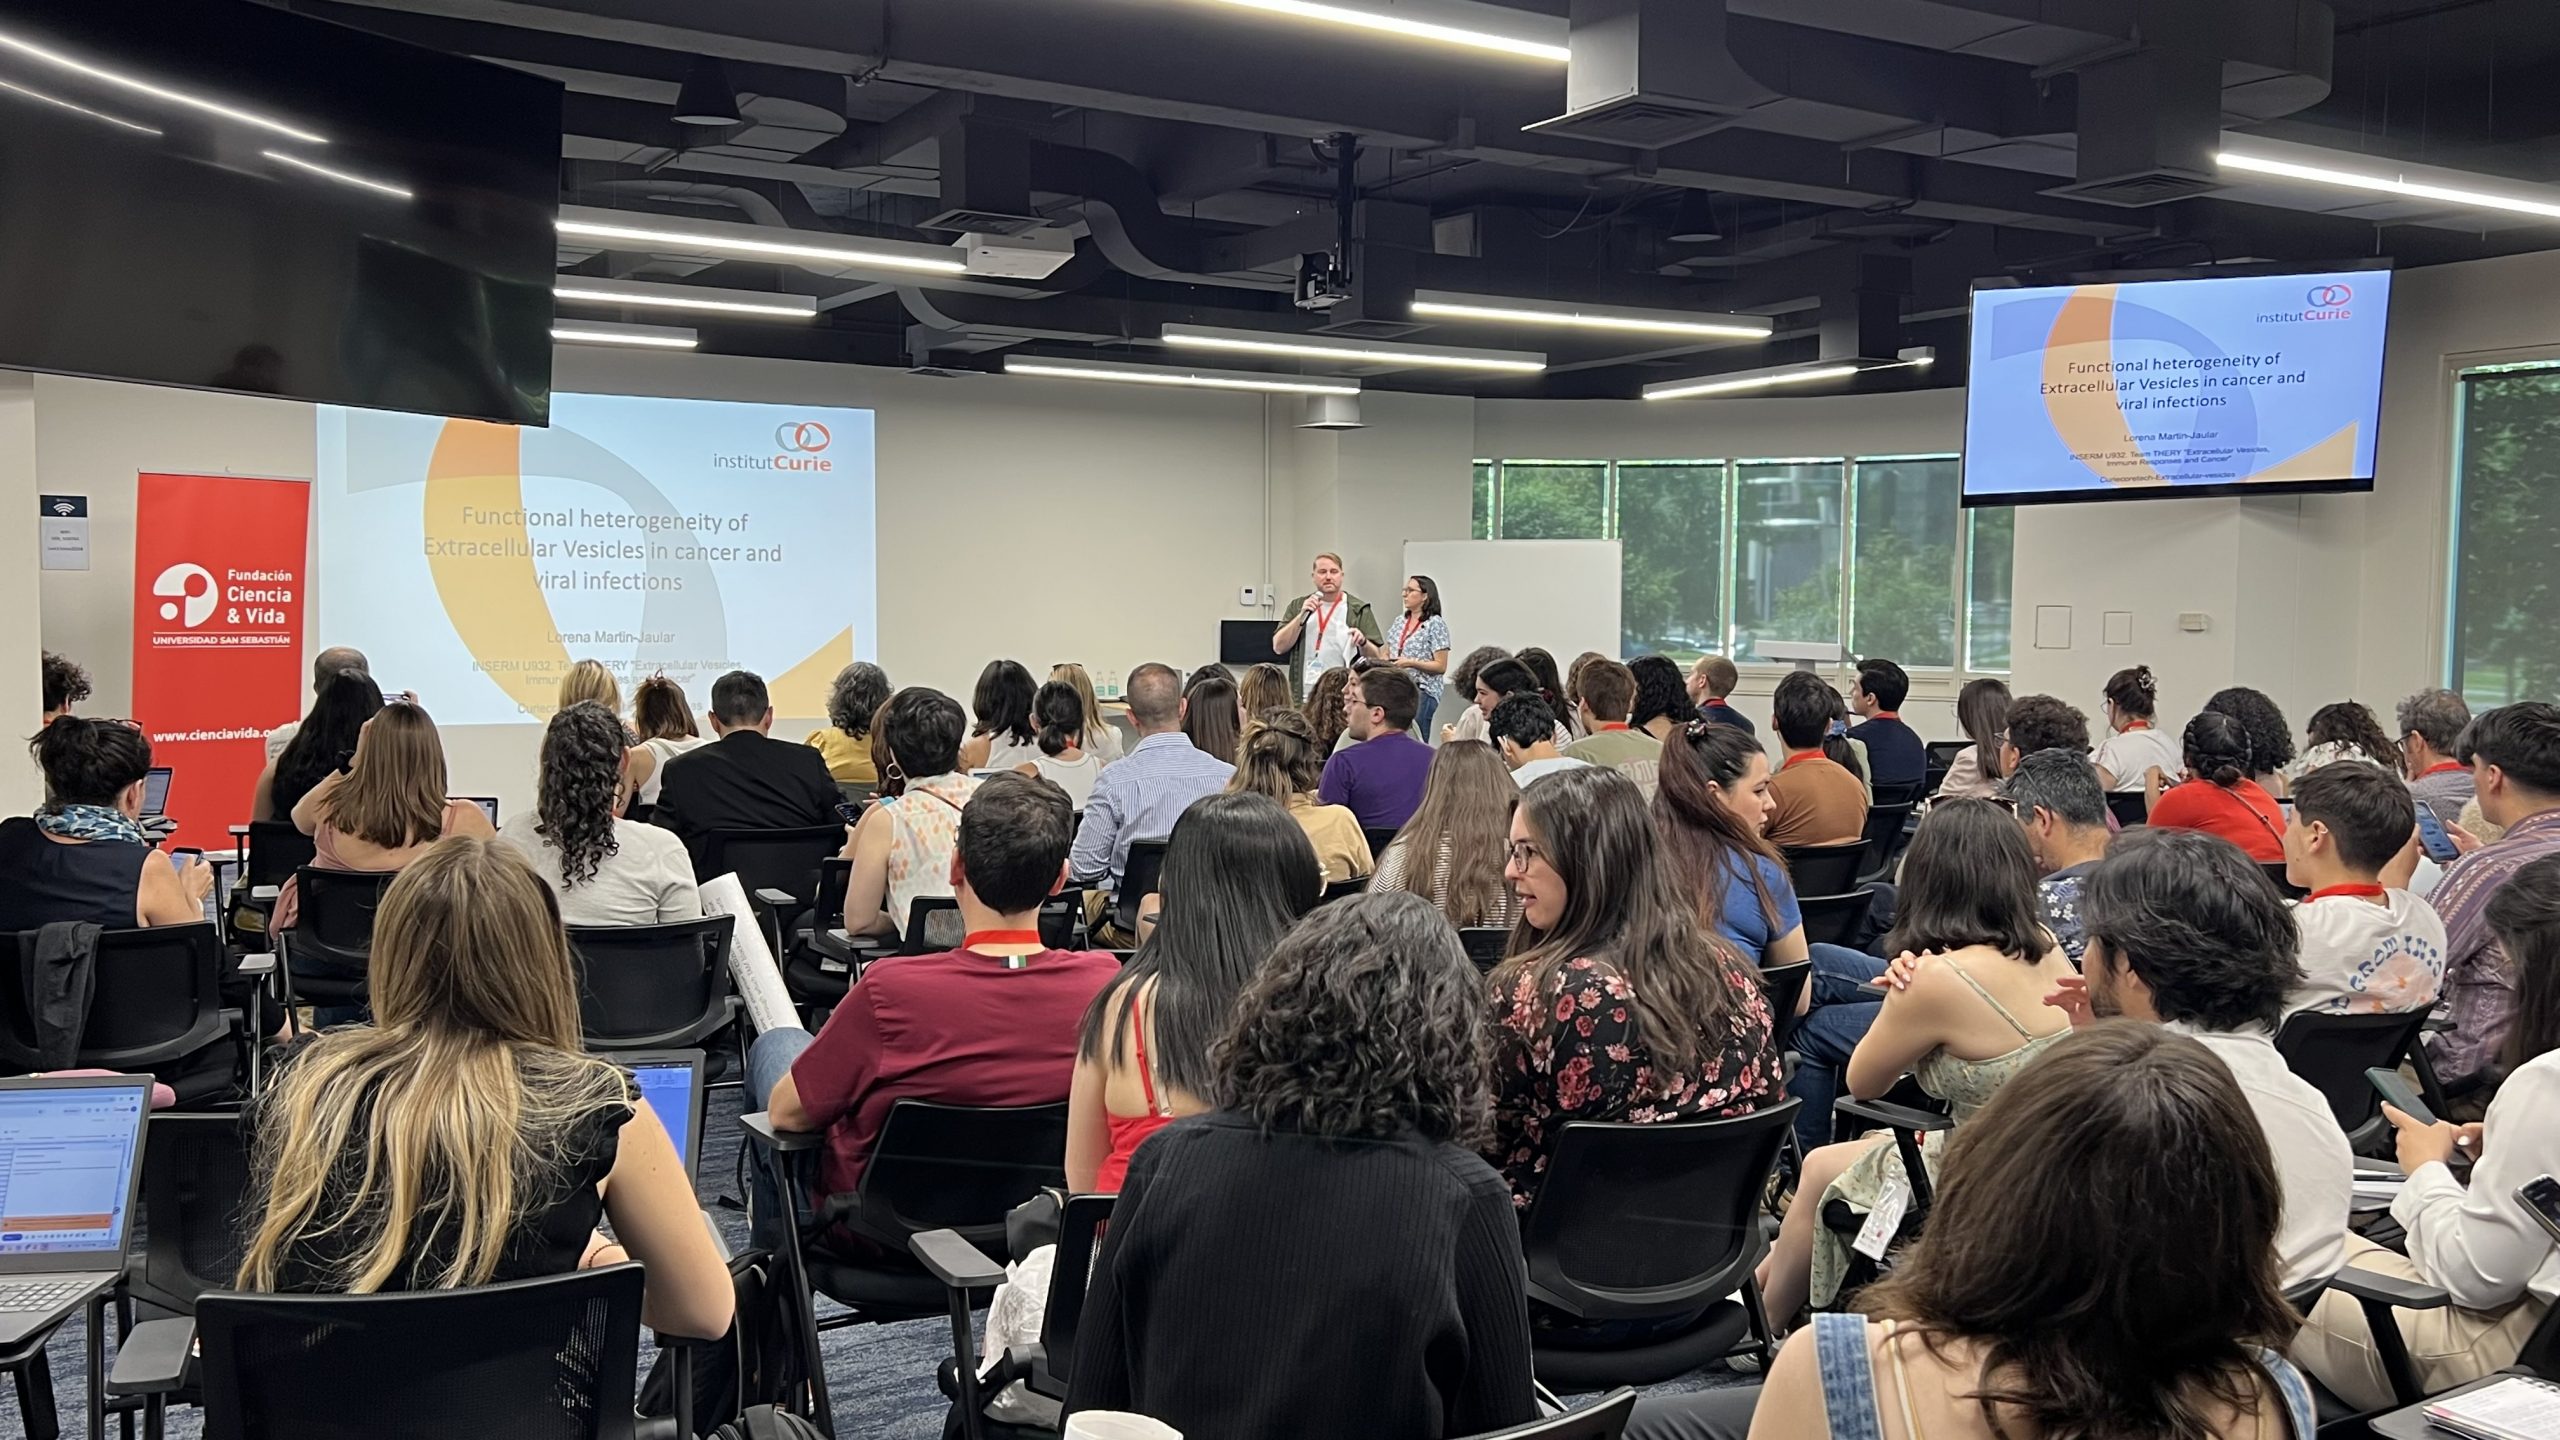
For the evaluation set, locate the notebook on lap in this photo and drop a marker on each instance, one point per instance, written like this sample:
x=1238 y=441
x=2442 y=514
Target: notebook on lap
x=70 y=1174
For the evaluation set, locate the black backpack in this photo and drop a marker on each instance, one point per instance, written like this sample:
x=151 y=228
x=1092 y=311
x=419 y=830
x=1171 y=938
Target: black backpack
x=761 y=1363
x=768 y=1423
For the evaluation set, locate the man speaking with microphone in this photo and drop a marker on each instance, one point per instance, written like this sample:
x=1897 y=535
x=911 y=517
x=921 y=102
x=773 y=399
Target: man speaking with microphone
x=1319 y=632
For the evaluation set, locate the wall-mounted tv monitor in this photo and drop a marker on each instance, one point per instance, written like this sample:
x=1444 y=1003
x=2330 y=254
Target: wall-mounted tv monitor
x=229 y=196
x=2221 y=385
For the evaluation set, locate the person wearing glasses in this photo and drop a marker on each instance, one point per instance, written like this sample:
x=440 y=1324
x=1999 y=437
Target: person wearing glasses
x=1418 y=643
x=83 y=856
x=2431 y=725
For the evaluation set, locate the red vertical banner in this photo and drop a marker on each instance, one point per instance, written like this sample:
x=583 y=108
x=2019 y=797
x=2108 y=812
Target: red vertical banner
x=218 y=591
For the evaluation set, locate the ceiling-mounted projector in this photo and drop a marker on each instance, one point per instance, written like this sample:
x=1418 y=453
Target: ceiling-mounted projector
x=1032 y=255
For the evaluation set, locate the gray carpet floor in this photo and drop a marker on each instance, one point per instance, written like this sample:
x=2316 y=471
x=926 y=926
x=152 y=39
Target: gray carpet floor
x=880 y=1377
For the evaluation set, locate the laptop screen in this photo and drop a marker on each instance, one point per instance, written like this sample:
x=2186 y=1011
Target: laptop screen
x=668 y=1086
x=67 y=1157
x=155 y=790
x=488 y=804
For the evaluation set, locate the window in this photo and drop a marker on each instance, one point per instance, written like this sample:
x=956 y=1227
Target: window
x=1484 y=502
x=1786 y=553
x=1902 y=598
x=1671 y=525
x=1554 y=500
x=1990 y=561
x=2507 y=523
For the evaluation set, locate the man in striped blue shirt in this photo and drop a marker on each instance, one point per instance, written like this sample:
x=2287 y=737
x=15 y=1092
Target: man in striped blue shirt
x=1141 y=794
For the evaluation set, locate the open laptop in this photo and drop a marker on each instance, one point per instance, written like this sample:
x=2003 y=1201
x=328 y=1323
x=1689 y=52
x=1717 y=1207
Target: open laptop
x=70 y=1176
x=488 y=804
x=155 y=791
x=671 y=1081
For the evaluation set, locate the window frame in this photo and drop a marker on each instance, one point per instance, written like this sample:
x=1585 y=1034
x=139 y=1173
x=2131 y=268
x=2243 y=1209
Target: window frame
x=2459 y=373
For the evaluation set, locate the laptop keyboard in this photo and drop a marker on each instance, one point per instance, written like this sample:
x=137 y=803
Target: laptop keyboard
x=21 y=1296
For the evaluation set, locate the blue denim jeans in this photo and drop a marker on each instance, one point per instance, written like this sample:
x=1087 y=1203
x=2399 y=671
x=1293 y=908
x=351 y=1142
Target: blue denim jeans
x=768 y=1060
x=1839 y=1018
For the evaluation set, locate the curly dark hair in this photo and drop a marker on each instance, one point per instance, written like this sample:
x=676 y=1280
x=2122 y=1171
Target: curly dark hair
x=2351 y=724
x=860 y=689
x=65 y=683
x=1368 y=1020
x=2199 y=922
x=1660 y=690
x=580 y=781
x=2270 y=738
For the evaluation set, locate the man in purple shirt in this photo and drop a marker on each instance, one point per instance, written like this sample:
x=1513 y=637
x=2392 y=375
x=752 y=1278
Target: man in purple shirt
x=1381 y=776
x=2514 y=755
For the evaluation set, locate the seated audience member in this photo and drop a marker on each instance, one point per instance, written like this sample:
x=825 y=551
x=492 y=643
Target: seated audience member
x=2184 y=931
x=326 y=666
x=1140 y=797
x=2217 y=796
x=1214 y=670
x=1209 y=717
x=1524 y=730
x=1005 y=734
x=1855 y=761
x=2135 y=745
x=1327 y=714
x=1962 y=1021
x=1063 y=762
x=1662 y=699
x=1101 y=740
x=84 y=858
x=1608 y=698
x=1711 y=683
x=858 y=692
x=1982 y=709
x=65 y=685
x=1380 y=775
x=2368 y=945
x=2474 y=1238
x=1573 y=682
x=1263 y=687
x=1498 y=682
x=662 y=721
x=744 y=780
x=1814 y=799
x=466 y=1138
x=2040 y=722
x=1456 y=713
x=1550 y=688
x=1237 y=874
x=2343 y=731
x=1614 y=1003
x=1281 y=762
x=2036 y=1303
x=2477 y=825
x=901 y=848
x=605 y=870
x=2514 y=755
x=320 y=743
x=991 y=1023
x=1328 y=1210
x=1895 y=752
x=588 y=680
x=2431 y=726
x=1453 y=849
x=2270 y=738
x=2056 y=797
x=386 y=807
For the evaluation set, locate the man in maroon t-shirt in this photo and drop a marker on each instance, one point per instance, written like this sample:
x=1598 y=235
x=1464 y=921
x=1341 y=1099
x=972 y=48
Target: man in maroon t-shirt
x=992 y=1023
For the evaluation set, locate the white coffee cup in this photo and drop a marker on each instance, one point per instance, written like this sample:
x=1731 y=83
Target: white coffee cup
x=1117 y=1425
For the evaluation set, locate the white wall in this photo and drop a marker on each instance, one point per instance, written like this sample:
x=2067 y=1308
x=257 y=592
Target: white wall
x=21 y=691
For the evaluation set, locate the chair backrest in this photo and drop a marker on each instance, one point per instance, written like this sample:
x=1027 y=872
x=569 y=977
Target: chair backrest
x=548 y=1359
x=1835 y=919
x=195 y=1188
x=1941 y=759
x=784 y=860
x=1344 y=889
x=1485 y=944
x=1652 y=1221
x=858 y=792
x=1380 y=837
x=336 y=920
x=1137 y=881
x=1080 y=1223
x=2332 y=1052
x=2130 y=807
x=1602 y=1419
x=1062 y=920
x=652 y=987
x=155 y=1001
x=2284 y=886
x=1825 y=869
x=925 y=934
x=274 y=851
x=957 y=1167
x=1783 y=985
x=1905 y=795
x=835 y=877
x=1884 y=832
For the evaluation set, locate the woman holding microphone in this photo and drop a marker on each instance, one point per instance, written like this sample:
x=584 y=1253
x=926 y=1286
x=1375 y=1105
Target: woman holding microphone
x=1418 y=642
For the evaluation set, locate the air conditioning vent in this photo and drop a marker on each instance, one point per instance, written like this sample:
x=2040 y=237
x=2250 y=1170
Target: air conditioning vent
x=1358 y=329
x=2133 y=192
x=984 y=222
x=1634 y=121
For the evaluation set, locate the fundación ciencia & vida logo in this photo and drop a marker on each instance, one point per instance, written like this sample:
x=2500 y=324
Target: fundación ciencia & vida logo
x=192 y=593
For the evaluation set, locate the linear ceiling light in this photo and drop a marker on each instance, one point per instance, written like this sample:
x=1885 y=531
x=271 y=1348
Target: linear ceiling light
x=1194 y=379
x=1752 y=380
x=693 y=237
x=2388 y=177
x=1414 y=29
x=1449 y=305
x=397 y=192
x=612 y=332
x=686 y=297
x=104 y=76
x=1353 y=352
x=77 y=109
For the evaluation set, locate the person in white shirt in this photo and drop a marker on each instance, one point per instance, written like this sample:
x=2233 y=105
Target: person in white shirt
x=1324 y=628
x=664 y=722
x=326 y=666
x=2184 y=931
x=2136 y=745
x=2368 y=946
x=2475 y=1240
x=1524 y=730
x=605 y=870
x=1058 y=712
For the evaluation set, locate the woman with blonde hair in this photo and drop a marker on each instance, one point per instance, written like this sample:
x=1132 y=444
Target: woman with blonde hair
x=386 y=807
x=1283 y=761
x=1453 y=849
x=662 y=725
x=1264 y=687
x=1101 y=740
x=466 y=1138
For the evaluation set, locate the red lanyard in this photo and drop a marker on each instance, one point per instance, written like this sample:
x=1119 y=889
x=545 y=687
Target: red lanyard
x=979 y=939
x=1402 y=631
x=1324 y=619
x=1798 y=756
x=2439 y=768
x=2368 y=892
x=2132 y=725
x=1609 y=725
x=1886 y=715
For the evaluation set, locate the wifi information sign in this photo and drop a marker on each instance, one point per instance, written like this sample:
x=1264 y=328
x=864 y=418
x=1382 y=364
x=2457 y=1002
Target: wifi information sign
x=64 y=526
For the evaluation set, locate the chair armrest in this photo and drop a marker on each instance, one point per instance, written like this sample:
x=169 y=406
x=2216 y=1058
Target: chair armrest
x=154 y=1357
x=776 y=899
x=2370 y=1288
x=2369 y=1168
x=265 y=894
x=760 y=1130
x=954 y=1261
x=263 y=964
x=2437 y=1025
x=1893 y=1117
x=238 y=832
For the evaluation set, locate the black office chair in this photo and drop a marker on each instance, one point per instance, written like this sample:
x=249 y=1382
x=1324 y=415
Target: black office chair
x=1344 y=889
x=657 y=987
x=820 y=965
x=935 y=1167
x=1783 y=986
x=2275 y=873
x=2332 y=1052
x=1825 y=869
x=1137 y=881
x=926 y=934
x=547 y=1359
x=1602 y=1419
x=195 y=1186
x=155 y=1007
x=777 y=868
x=267 y=852
x=1380 y=837
x=2130 y=807
x=1941 y=759
x=1485 y=944
x=330 y=946
x=1836 y=919
x=1043 y=1367
x=1656 y=1223
x=1886 y=830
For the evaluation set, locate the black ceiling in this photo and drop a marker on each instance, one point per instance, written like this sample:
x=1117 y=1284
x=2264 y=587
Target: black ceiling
x=1867 y=162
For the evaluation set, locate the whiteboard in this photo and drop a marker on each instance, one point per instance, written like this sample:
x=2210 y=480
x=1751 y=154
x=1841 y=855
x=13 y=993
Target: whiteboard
x=1559 y=594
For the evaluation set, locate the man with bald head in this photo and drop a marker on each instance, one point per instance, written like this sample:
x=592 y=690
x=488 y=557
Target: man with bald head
x=326 y=666
x=1141 y=794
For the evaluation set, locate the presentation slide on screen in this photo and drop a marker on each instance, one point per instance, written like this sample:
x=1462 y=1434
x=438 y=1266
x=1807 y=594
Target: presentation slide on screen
x=473 y=563
x=2231 y=381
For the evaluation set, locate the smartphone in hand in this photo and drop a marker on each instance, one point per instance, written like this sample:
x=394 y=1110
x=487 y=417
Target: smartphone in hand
x=2395 y=1089
x=2434 y=839
x=2540 y=1197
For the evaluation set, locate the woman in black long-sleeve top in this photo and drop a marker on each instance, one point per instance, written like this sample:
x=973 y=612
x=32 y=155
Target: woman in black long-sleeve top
x=1324 y=1255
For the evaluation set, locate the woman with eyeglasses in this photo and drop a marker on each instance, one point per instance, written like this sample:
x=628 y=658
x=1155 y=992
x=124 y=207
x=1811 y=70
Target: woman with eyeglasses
x=1418 y=643
x=83 y=857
